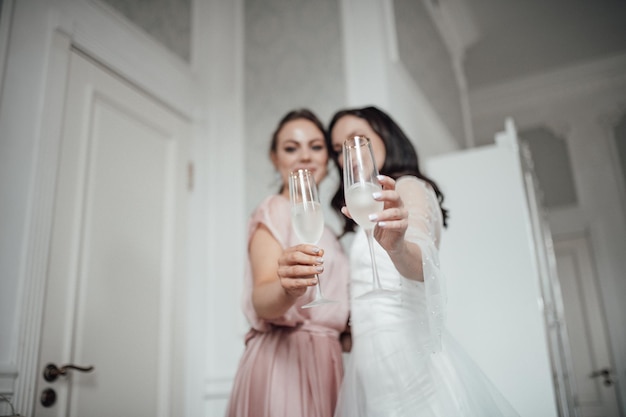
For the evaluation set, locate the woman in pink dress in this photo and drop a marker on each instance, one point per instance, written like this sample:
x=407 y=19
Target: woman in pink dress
x=292 y=364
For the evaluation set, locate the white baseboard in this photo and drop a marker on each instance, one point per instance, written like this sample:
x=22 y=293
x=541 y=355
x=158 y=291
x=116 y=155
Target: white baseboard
x=218 y=388
x=8 y=374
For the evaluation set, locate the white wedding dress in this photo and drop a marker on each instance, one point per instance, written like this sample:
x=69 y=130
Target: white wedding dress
x=403 y=363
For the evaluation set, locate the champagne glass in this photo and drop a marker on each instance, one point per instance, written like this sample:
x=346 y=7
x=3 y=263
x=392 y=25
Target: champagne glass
x=307 y=218
x=359 y=183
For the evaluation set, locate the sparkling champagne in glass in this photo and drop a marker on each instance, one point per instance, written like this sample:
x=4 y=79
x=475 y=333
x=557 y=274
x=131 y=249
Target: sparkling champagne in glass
x=307 y=218
x=360 y=182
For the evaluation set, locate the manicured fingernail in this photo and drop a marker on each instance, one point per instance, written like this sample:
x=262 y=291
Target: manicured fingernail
x=319 y=268
x=372 y=217
x=320 y=260
x=380 y=177
x=377 y=195
x=316 y=250
x=381 y=224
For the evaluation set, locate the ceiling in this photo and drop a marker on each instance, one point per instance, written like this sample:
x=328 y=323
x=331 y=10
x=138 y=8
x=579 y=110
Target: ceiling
x=521 y=38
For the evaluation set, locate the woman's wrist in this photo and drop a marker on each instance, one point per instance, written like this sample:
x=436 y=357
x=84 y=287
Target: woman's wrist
x=408 y=260
x=400 y=250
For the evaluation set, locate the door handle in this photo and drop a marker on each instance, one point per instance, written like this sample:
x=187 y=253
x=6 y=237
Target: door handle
x=604 y=373
x=52 y=372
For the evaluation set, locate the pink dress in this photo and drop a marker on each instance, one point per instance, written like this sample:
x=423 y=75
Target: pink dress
x=292 y=366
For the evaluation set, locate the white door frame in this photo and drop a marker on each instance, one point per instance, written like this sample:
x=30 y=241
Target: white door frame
x=43 y=31
x=578 y=246
x=551 y=298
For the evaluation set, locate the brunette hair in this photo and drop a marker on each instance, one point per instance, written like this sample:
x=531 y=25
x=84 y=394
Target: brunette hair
x=401 y=157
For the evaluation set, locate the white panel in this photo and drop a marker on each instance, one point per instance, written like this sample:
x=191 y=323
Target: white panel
x=122 y=255
x=487 y=254
x=366 y=51
x=586 y=328
x=117 y=277
x=221 y=214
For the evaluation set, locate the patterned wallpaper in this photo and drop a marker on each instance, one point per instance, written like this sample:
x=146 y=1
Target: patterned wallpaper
x=293 y=58
x=167 y=21
x=426 y=58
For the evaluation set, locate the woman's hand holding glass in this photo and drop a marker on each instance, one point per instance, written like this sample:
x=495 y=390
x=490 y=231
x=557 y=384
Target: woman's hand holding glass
x=392 y=222
x=297 y=267
x=307 y=218
x=360 y=186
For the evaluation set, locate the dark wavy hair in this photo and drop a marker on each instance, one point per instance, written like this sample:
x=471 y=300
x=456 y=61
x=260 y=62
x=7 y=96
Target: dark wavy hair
x=296 y=114
x=401 y=156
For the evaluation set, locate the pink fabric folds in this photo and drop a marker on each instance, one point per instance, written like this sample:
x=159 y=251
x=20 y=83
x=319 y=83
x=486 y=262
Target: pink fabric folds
x=288 y=372
x=292 y=366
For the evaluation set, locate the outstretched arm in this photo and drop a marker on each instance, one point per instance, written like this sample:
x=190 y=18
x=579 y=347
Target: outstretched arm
x=409 y=228
x=408 y=223
x=280 y=276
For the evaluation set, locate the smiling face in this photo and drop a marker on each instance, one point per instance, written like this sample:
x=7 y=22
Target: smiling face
x=300 y=145
x=348 y=126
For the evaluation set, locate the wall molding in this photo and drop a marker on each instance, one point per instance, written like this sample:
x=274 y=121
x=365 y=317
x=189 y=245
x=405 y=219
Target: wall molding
x=99 y=31
x=33 y=284
x=608 y=124
x=558 y=84
x=456 y=24
x=8 y=375
x=218 y=388
x=6 y=10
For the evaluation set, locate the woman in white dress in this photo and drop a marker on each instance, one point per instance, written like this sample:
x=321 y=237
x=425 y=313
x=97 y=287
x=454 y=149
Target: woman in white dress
x=403 y=362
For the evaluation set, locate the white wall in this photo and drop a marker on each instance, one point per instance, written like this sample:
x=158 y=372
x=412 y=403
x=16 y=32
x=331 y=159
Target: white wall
x=580 y=104
x=293 y=58
x=429 y=60
x=219 y=224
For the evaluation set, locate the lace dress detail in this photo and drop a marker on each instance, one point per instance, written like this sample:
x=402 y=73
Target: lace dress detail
x=403 y=361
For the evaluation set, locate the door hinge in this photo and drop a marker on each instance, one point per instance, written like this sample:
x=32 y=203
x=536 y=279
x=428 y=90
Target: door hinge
x=190 y=176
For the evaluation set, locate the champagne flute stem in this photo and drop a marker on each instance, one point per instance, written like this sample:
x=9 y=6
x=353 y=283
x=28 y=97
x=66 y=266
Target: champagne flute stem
x=370 y=243
x=319 y=295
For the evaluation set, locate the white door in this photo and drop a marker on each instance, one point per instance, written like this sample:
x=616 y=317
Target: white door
x=493 y=285
x=116 y=279
x=591 y=362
